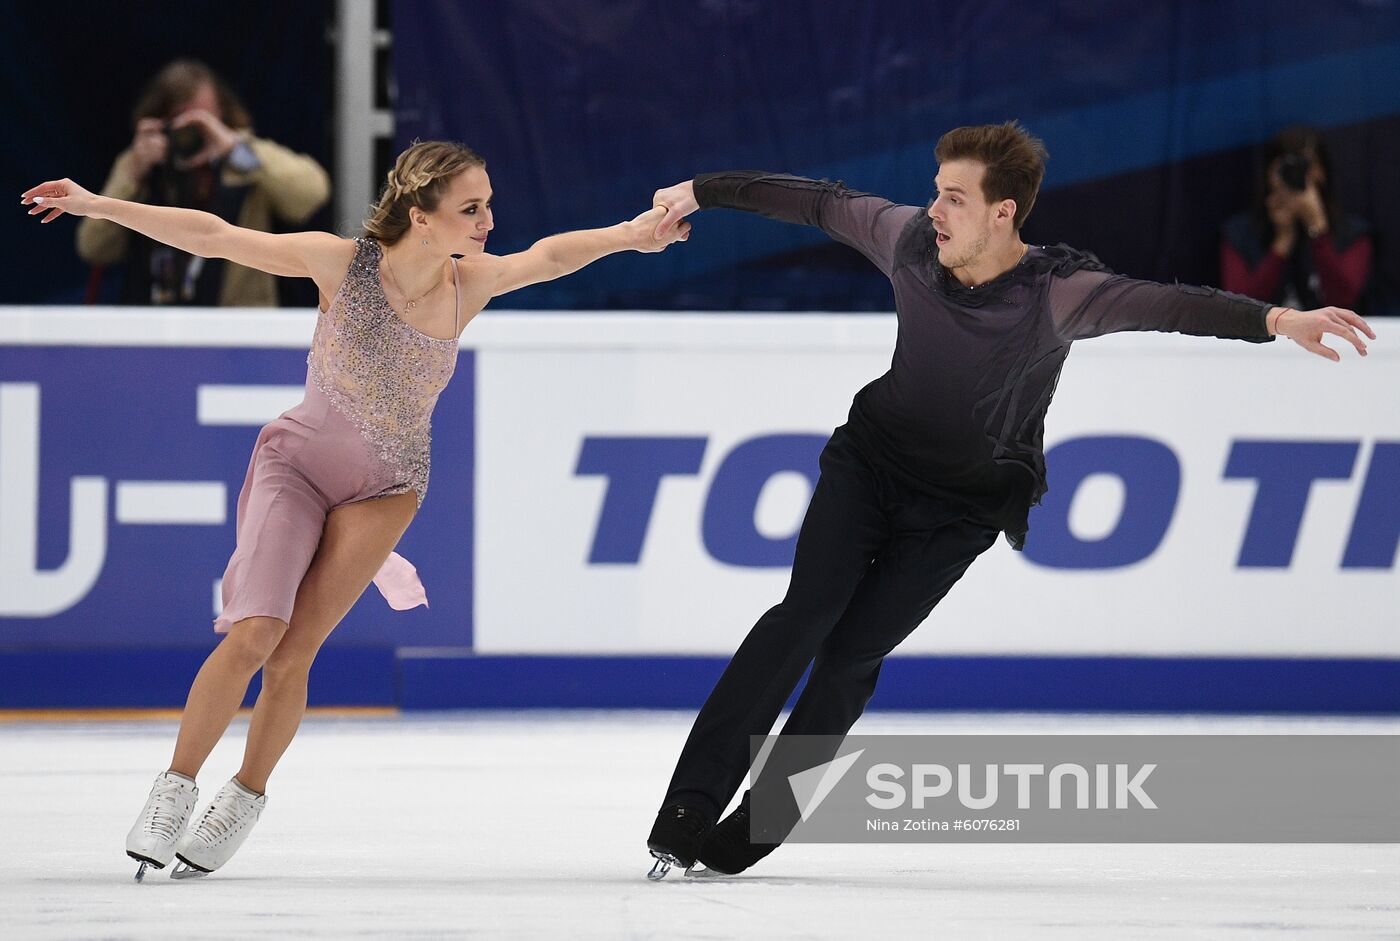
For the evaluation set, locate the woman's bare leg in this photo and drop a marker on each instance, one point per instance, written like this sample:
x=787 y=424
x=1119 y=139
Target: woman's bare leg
x=357 y=540
x=219 y=688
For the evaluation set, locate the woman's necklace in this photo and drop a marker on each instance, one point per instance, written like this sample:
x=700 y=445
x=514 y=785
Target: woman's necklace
x=411 y=302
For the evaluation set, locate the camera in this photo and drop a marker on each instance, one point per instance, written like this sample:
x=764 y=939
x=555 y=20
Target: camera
x=1293 y=171
x=184 y=142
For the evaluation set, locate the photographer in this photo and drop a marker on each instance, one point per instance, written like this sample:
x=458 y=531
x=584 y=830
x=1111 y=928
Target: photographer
x=194 y=148
x=1294 y=248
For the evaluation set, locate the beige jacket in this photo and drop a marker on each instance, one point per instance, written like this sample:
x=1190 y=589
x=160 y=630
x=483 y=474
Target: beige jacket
x=289 y=185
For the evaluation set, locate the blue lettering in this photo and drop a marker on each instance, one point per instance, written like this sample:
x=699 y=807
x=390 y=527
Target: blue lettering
x=1285 y=471
x=1375 y=532
x=728 y=527
x=1148 y=470
x=1151 y=476
x=634 y=468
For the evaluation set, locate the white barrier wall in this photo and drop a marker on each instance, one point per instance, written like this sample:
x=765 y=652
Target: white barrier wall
x=638 y=479
x=548 y=384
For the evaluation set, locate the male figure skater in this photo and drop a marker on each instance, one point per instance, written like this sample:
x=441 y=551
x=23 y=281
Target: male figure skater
x=938 y=456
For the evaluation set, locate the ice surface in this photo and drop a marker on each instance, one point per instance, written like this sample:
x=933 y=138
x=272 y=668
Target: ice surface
x=532 y=825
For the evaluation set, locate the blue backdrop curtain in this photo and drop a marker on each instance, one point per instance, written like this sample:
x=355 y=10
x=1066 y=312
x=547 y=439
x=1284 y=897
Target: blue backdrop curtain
x=1152 y=115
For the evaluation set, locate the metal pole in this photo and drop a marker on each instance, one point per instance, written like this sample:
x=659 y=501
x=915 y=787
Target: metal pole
x=358 y=124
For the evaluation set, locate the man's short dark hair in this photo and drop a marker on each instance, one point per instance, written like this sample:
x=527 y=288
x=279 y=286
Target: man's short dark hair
x=1014 y=159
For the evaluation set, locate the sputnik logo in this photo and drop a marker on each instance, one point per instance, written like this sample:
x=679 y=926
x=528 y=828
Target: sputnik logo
x=812 y=786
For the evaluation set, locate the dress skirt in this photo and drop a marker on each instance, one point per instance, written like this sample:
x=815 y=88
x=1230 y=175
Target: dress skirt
x=306 y=463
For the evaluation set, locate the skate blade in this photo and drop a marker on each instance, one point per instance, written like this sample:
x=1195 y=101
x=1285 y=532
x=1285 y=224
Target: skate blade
x=701 y=871
x=146 y=863
x=184 y=870
x=664 y=862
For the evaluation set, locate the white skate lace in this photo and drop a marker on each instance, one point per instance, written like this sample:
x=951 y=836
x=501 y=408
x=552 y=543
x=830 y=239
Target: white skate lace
x=223 y=815
x=162 y=814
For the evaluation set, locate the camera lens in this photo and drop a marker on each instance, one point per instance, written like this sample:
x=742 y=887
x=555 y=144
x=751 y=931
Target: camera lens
x=185 y=142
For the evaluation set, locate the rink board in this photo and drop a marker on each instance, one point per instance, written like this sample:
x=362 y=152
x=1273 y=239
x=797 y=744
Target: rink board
x=615 y=498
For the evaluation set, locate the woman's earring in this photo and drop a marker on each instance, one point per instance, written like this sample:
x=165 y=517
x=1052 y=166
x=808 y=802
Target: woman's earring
x=425 y=243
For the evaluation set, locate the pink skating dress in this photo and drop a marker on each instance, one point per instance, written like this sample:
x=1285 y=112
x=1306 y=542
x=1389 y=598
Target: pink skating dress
x=363 y=431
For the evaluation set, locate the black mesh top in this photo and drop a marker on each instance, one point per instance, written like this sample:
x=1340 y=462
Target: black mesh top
x=961 y=411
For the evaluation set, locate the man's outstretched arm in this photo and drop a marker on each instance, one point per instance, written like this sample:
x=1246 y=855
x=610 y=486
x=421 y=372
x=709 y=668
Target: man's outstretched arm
x=869 y=224
x=1093 y=303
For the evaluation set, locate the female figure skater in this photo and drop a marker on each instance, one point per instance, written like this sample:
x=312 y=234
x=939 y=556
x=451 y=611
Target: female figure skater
x=334 y=482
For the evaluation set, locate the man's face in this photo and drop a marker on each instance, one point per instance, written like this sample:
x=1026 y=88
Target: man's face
x=960 y=213
x=205 y=98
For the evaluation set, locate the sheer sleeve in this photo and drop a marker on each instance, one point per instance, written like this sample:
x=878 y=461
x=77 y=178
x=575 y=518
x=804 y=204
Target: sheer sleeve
x=869 y=224
x=1089 y=303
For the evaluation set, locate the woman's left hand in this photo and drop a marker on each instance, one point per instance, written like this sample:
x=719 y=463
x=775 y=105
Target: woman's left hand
x=642 y=231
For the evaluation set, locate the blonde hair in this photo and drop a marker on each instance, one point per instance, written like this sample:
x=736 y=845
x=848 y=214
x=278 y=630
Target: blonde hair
x=419 y=177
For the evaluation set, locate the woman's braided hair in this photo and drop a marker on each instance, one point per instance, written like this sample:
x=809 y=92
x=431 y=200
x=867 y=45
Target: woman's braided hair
x=418 y=179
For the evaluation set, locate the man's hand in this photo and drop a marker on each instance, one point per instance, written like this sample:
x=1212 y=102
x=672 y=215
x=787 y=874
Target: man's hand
x=642 y=231
x=678 y=201
x=1307 y=328
x=148 y=148
x=1311 y=211
x=1282 y=212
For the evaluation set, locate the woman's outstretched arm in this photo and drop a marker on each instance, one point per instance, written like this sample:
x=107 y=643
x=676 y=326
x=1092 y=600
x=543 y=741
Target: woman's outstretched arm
x=562 y=254
x=295 y=255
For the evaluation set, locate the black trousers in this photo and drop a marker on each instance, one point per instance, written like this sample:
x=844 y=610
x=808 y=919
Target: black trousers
x=873 y=557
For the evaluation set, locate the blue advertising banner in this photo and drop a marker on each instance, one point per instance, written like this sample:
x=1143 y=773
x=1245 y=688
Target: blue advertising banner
x=120 y=476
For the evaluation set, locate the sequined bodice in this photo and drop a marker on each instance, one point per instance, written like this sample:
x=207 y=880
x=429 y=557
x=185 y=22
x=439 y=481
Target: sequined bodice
x=380 y=372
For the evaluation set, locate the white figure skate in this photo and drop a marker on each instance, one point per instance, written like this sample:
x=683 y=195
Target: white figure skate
x=219 y=831
x=162 y=823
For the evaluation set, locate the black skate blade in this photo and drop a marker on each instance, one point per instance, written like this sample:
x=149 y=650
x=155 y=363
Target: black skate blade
x=153 y=863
